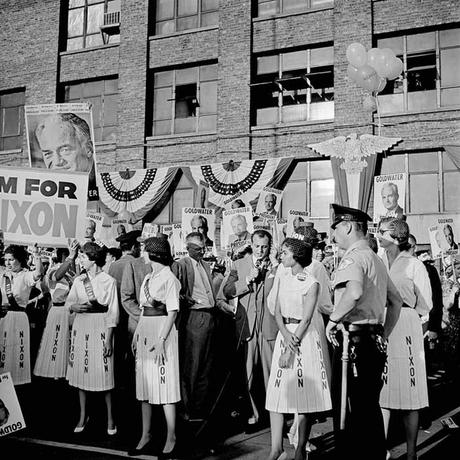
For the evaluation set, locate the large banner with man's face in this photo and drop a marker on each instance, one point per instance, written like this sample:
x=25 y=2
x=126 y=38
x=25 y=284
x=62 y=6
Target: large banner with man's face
x=200 y=220
x=60 y=137
x=389 y=196
x=37 y=208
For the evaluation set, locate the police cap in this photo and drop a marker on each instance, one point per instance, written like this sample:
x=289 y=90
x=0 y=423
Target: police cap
x=129 y=237
x=341 y=213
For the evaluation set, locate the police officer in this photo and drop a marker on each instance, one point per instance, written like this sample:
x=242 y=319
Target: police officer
x=362 y=289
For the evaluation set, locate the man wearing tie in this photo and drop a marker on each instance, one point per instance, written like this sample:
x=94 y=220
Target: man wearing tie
x=250 y=280
x=197 y=325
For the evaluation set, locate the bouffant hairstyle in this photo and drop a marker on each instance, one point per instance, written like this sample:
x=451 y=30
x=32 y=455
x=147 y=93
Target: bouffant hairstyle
x=95 y=253
x=19 y=253
x=301 y=250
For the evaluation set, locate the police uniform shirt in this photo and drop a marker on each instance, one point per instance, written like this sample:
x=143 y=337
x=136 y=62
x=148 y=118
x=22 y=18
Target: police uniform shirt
x=21 y=285
x=410 y=277
x=361 y=264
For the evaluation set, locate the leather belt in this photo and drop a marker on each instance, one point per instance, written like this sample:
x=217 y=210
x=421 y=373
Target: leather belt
x=404 y=305
x=58 y=304
x=366 y=328
x=156 y=309
x=291 y=320
x=204 y=310
x=14 y=308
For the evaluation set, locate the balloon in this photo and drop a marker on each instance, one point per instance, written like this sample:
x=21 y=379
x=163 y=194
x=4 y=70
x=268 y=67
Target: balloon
x=394 y=68
x=369 y=104
x=356 y=54
x=352 y=73
x=372 y=83
x=382 y=84
x=368 y=75
x=373 y=57
x=385 y=56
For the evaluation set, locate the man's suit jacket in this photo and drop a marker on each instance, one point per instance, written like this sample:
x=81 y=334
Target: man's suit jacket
x=133 y=276
x=185 y=273
x=397 y=212
x=252 y=302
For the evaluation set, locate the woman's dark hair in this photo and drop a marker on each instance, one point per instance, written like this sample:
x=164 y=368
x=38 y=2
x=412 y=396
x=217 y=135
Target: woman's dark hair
x=95 y=253
x=61 y=254
x=301 y=251
x=115 y=252
x=163 y=259
x=19 y=253
x=399 y=230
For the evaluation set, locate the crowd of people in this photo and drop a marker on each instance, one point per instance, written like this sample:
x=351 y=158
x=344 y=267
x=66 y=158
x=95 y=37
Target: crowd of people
x=192 y=335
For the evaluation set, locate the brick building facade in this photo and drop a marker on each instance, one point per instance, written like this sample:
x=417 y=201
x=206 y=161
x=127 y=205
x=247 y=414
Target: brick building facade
x=213 y=53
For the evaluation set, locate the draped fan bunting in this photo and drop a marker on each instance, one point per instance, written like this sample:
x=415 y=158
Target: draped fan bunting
x=228 y=181
x=135 y=191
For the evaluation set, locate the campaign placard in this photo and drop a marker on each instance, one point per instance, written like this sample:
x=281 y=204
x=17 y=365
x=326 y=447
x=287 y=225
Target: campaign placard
x=269 y=203
x=60 y=137
x=94 y=221
x=200 y=220
x=237 y=227
x=35 y=208
x=389 y=196
x=295 y=220
x=446 y=225
x=11 y=418
x=178 y=242
x=279 y=232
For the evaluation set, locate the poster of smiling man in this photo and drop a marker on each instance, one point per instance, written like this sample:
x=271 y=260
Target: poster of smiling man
x=200 y=220
x=11 y=417
x=237 y=227
x=389 y=196
x=269 y=203
x=60 y=137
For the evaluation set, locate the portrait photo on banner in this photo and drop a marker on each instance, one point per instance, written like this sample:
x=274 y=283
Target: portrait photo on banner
x=237 y=227
x=296 y=220
x=200 y=220
x=11 y=417
x=389 y=196
x=269 y=203
x=60 y=137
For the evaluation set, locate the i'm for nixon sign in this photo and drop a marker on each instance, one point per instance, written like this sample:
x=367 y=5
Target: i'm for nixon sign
x=37 y=206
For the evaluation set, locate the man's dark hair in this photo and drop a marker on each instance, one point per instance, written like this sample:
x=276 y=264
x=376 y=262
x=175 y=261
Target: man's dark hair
x=262 y=234
x=115 y=252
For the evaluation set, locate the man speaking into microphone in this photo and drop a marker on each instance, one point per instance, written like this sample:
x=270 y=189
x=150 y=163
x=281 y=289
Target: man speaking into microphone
x=250 y=280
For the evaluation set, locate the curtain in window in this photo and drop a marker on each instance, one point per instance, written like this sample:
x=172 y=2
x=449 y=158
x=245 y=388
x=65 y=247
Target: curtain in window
x=453 y=151
x=136 y=191
x=244 y=180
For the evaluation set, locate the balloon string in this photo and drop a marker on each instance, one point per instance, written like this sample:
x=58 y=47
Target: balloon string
x=378 y=114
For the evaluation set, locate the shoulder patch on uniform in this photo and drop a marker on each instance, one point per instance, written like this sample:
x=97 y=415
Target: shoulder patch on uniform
x=345 y=263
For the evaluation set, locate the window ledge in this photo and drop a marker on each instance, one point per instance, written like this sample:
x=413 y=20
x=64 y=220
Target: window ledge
x=176 y=136
x=292 y=124
x=295 y=13
x=10 y=152
x=86 y=50
x=419 y=112
x=183 y=32
x=105 y=145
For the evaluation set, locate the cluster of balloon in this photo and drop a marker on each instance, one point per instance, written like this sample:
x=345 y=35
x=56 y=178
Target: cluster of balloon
x=371 y=69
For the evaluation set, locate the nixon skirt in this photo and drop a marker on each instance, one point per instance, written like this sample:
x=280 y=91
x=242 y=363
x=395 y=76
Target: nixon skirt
x=305 y=386
x=15 y=346
x=404 y=375
x=157 y=383
x=53 y=353
x=88 y=369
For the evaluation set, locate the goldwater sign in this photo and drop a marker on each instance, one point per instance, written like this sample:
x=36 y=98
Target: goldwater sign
x=39 y=207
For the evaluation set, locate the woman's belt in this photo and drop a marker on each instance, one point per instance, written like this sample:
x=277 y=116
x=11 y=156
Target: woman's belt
x=291 y=320
x=12 y=308
x=404 y=305
x=157 y=308
x=58 y=304
x=98 y=308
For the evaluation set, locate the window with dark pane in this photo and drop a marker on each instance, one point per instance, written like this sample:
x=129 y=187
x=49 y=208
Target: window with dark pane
x=185 y=100
x=293 y=86
x=84 y=21
x=271 y=7
x=431 y=78
x=177 y=15
x=103 y=97
x=11 y=119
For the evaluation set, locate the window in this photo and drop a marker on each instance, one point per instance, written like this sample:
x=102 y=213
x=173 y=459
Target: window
x=84 y=20
x=271 y=7
x=310 y=188
x=185 y=100
x=431 y=78
x=176 y=15
x=103 y=95
x=433 y=181
x=11 y=119
x=181 y=198
x=293 y=86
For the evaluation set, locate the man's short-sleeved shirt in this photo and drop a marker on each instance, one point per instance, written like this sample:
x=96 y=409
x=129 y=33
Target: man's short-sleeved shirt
x=361 y=264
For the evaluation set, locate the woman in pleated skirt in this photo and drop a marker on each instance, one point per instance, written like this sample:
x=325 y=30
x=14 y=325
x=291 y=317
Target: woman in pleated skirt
x=300 y=374
x=156 y=346
x=405 y=386
x=93 y=298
